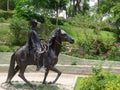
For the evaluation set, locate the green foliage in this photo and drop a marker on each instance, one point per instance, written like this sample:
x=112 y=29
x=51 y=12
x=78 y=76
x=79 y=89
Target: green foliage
x=101 y=80
x=5 y=49
x=77 y=85
x=74 y=63
x=93 y=22
x=97 y=69
x=3 y=4
x=61 y=21
x=14 y=48
x=4 y=33
x=52 y=4
x=95 y=36
x=2 y=20
x=116 y=9
x=58 y=4
x=114 y=52
x=106 y=5
x=89 y=41
x=18 y=30
x=23 y=9
x=6 y=14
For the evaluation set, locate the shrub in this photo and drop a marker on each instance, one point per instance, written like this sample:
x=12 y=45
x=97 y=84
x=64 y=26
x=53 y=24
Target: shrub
x=2 y=20
x=74 y=63
x=114 y=52
x=14 y=48
x=19 y=29
x=5 y=49
x=99 y=81
x=6 y=14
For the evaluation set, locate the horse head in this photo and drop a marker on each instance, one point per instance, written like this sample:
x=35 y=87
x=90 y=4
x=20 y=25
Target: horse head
x=60 y=35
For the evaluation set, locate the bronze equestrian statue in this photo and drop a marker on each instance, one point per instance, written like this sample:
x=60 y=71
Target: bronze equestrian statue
x=49 y=58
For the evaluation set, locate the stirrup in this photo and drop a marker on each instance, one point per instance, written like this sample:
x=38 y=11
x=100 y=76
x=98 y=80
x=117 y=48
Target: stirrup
x=41 y=51
x=42 y=69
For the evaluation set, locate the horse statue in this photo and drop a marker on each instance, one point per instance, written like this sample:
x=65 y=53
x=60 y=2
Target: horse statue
x=49 y=57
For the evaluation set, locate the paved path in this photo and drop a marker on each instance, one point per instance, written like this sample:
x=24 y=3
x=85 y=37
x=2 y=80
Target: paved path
x=65 y=82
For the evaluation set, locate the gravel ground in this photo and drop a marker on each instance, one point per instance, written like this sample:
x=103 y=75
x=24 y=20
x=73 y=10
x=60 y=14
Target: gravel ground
x=65 y=82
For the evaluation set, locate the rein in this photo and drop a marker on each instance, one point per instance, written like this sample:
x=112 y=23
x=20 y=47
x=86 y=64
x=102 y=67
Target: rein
x=60 y=44
x=46 y=46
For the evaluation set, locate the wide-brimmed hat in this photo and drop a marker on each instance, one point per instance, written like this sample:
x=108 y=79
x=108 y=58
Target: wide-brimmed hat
x=34 y=22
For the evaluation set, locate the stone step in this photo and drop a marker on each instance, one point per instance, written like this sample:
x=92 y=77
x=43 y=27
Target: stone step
x=71 y=69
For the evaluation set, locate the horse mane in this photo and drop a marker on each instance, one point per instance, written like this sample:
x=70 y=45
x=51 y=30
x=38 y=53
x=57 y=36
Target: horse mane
x=52 y=36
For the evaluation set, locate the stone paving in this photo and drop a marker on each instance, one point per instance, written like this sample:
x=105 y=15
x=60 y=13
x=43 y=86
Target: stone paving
x=65 y=82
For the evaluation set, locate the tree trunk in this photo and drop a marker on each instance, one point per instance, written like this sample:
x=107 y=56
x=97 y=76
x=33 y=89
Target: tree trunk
x=57 y=14
x=98 y=6
x=73 y=8
x=8 y=5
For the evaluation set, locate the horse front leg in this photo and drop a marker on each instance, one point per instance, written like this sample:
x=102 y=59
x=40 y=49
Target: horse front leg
x=46 y=74
x=58 y=75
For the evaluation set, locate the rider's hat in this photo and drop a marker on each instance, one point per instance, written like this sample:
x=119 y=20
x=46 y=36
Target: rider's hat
x=33 y=22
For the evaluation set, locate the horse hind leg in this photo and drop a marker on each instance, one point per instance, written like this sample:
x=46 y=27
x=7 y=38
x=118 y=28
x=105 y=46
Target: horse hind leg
x=21 y=75
x=12 y=74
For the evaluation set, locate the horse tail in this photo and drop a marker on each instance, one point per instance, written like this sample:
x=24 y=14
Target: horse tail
x=11 y=69
x=12 y=63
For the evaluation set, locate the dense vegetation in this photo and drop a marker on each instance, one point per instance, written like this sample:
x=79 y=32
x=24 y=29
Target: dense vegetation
x=96 y=29
x=99 y=80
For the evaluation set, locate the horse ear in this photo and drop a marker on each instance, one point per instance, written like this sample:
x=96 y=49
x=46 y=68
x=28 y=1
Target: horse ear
x=53 y=35
x=55 y=32
x=58 y=31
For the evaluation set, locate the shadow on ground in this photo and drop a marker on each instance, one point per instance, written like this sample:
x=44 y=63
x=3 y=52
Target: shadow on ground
x=39 y=86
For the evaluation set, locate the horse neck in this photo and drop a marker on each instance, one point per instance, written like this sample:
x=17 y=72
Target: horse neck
x=57 y=47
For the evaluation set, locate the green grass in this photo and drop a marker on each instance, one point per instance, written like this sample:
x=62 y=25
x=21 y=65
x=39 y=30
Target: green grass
x=79 y=34
x=4 y=27
x=38 y=85
x=4 y=32
x=77 y=85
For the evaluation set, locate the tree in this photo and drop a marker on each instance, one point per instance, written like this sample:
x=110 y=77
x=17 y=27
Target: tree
x=77 y=6
x=115 y=10
x=85 y=7
x=51 y=7
x=80 y=6
x=24 y=9
x=7 y=4
x=104 y=6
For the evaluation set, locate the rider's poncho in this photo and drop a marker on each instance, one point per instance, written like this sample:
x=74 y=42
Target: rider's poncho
x=33 y=41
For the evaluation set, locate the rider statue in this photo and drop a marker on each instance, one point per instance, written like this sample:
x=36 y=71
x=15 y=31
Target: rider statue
x=34 y=45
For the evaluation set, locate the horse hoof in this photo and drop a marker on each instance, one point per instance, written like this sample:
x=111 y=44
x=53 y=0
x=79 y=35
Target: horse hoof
x=33 y=87
x=5 y=85
x=43 y=83
x=50 y=82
